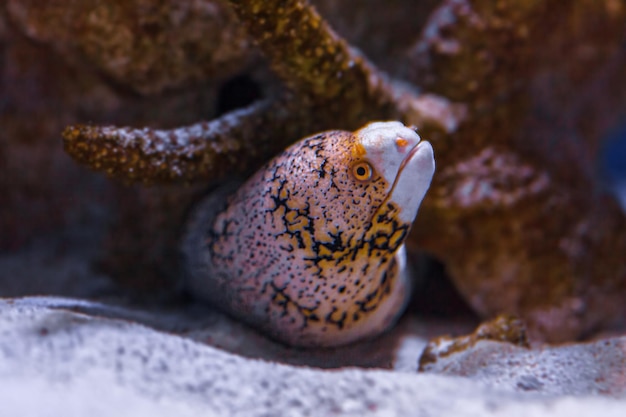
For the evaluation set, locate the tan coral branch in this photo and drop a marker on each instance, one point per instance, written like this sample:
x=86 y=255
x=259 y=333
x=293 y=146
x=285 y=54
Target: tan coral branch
x=305 y=52
x=326 y=73
x=231 y=144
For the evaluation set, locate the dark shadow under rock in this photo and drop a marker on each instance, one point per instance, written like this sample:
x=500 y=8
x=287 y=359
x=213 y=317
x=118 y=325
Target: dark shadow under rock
x=395 y=349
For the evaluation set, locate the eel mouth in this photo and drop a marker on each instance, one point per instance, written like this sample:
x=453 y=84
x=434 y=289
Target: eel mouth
x=412 y=180
x=420 y=147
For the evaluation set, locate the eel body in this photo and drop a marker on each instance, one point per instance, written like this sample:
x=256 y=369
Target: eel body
x=310 y=249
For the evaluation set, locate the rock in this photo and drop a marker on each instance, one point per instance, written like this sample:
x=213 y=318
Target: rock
x=54 y=361
x=577 y=369
x=149 y=47
x=504 y=328
x=516 y=211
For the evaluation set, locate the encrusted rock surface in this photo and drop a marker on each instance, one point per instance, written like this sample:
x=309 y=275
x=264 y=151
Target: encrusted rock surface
x=516 y=210
x=147 y=46
x=579 y=369
x=497 y=353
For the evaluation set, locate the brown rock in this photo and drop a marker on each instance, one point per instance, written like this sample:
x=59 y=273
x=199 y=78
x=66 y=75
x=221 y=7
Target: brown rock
x=516 y=212
x=577 y=369
x=149 y=46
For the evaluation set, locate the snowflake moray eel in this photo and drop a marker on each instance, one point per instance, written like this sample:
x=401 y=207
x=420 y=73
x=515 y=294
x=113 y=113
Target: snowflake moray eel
x=310 y=249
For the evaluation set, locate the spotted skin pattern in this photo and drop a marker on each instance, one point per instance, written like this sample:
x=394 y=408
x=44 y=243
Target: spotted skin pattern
x=304 y=250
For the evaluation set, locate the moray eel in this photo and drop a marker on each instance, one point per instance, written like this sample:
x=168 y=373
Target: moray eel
x=310 y=249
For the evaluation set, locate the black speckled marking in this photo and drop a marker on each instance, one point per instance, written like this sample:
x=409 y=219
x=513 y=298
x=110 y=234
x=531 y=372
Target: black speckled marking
x=303 y=250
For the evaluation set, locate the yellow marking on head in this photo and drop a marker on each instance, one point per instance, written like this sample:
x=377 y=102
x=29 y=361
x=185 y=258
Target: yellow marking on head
x=337 y=316
x=396 y=239
x=324 y=251
x=283 y=194
x=358 y=150
x=280 y=298
x=309 y=313
x=291 y=216
x=278 y=212
x=307 y=240
x=379 y=241
x=298 y=224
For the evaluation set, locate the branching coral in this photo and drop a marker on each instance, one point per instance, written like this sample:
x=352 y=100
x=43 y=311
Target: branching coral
x=145 y=46
x=330 y=86
x=515 y=212
x=203 y=150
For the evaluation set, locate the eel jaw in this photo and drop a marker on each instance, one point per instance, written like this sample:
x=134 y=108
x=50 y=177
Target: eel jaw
x=405 y=161
x=412 y=181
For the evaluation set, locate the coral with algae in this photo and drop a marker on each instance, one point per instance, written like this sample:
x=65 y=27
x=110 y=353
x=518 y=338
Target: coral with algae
x=146 y=46
x=329 y=85
x=516 y=212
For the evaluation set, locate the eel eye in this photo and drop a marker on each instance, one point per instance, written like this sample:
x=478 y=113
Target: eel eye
x=362 y=171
